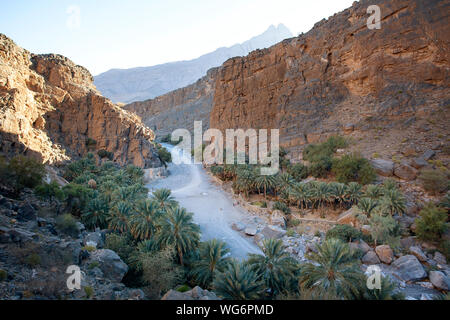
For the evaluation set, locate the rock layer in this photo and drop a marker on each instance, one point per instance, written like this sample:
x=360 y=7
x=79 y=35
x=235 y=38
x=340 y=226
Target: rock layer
x=50 y=109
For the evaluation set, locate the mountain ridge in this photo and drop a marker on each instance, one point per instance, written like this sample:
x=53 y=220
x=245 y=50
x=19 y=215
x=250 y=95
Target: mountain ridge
x=142 y=83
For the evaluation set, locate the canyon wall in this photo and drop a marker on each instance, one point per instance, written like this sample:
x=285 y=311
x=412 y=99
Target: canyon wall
x=339 y=78
x=179 y=108
x=50 y=109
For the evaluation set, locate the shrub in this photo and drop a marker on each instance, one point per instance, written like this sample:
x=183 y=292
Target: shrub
x=67 y=224
x=89 y=291
x=282 y=207
x=93 y=265
x=21 y=172
x=183 y=288
x=105 y=154
x=120 y=244
x=164 y=155
x=49 y=191
x=90 y=142
x=353 y=167
x=290 y=233
x=89 y=248
x=434 y=180
x=3 y=275
x=262 y=204
x=321 y=167
x=33 y=260
x=314 y=152
x=344 y=232
x=432 y=223
x=298 y=171
x=384 y=229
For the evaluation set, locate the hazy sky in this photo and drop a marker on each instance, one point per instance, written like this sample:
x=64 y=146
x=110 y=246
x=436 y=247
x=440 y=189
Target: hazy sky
x=105 y=34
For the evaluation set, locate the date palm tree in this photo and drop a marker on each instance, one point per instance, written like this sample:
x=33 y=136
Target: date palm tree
x=143 y=224
x=302 y=194
x=367 y=205
x=284 y=181
x=179 y=230
x=118 y=220
x=354 y=192
x=339 y=192
x=96 y=214
x=393 y=202
x=238 y=282
x=163 y=197
x=212 y=259
x=373 y=192
x=265 y=182
x=276 y=266
x=334 y=270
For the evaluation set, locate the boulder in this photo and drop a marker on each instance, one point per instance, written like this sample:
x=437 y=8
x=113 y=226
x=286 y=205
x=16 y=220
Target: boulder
x=405 y=172
x=238 y=226
x=26 y=213
x=408 y=242
x=440 y=280
x=94 y=239
x=427 y=155
x=349 y=128
x=364 y=246
x=418 y=163
x=439 y=258
x=418 y=253
x=409 y=268
x=277 y=219
x=385 y=253
x=383 y=167
x=370 y=258
x=273 y=232
x=110 y=263
x=175 y=295
x=250 y=231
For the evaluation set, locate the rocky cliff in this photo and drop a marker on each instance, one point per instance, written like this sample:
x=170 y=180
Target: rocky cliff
x=129 y=85
x=341 y=76
x=179 y=108
x=384 y=87
x=50 y=109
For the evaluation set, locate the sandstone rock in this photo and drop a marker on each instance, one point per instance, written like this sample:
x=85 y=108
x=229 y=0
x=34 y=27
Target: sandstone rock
x=349 y=128
x=370 y=258
x=440 y=280
x=418 y=253
x=383 y=167
x=250 y=231
x=110 y=264
x=385 y=253
x=409 y=268
x=51 y=110
x=405 y=172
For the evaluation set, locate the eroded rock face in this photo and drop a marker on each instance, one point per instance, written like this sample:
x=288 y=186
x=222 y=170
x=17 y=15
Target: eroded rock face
x=339 y=78
x=50 y=109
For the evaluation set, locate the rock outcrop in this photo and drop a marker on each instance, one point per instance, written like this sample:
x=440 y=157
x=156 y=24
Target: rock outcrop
x=50 y=109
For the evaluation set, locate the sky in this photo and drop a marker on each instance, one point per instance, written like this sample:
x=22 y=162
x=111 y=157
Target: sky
x=106 y=34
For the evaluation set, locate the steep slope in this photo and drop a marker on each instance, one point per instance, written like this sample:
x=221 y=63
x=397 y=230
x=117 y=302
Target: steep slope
x=49 y=108
x=384 y=87
x=148 y=82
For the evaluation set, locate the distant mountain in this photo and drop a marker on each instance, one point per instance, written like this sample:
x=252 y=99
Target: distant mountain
x=128 y=85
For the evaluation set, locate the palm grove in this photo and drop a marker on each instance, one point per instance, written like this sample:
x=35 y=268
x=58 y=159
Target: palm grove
x=161 y=244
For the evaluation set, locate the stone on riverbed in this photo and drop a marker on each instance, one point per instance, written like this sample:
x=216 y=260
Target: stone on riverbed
x=250 y=231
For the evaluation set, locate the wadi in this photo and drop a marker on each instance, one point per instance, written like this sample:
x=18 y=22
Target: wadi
x=312 y=166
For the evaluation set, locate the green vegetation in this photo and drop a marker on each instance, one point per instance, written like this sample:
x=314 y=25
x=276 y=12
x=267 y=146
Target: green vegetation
x=89 y=291
x=67 y=224
x=164 y=155
x=21 y=172
x=432 y=223
x=344 y=233
x=435 y=180
x=105 y=154
x=353 y=167
x=282 y=207
x=3 y=275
